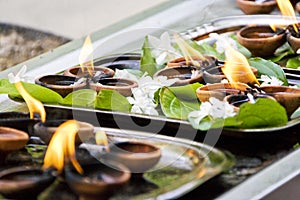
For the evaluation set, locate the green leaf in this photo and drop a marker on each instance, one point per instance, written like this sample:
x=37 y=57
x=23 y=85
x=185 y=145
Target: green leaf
x=268 y=68
x=41 y=93
x=296 y=114
x=148 y=63
x=293 y=62
x=187 y=92
x=263 y=113
x=206 y=49
x=174 y=107
x=112 y=100
x=81 y=98
x=241 y=48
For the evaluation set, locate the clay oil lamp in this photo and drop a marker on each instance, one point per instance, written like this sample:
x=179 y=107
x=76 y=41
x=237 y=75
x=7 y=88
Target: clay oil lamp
x=220 y=90
x=293 y=36
x=25 y=182
x=186 y=75
x=46 y=130
x=99 y=180
x=123 y=86
x=123 y=61
x=18 y=120
x=98 y=72
x=261 y=40
x=11 y=140
x=288 y=97
x=61 y=84
x=257 y=6
x=137 y=156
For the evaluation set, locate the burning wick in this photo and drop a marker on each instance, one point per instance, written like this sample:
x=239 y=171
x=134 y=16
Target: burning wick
x=34 y=105
x=86 y=56
x=188 y=52
x=61 y=148
x=101 y=139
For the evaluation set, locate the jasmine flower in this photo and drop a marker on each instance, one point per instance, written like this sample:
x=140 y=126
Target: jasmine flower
x=163 y=51
x=220 y=45
x=270 y=80
x=20 y=76
x=213 y=108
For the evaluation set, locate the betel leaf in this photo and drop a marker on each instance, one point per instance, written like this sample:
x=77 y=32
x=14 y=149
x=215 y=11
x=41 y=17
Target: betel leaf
x=293 y=63
x=148 y=63
x=112 y=100
x=187 y=92
x=263 y=113
x=81 y=98
x=207 y=49
x=240 y=47
x=269 y=68
x=41 y=93
x=173 y=107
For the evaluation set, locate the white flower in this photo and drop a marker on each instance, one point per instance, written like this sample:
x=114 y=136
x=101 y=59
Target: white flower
x=220 y=44
x=141 y=102
x=270 y=80
x=19 y=76
x=162 y=48
x=125 y=74
x=213 y=108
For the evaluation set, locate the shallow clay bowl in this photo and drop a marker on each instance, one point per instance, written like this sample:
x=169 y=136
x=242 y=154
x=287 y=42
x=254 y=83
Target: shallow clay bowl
x=102 y=72
x=184 y=74
x=209 y=61
x=46 y=130
x=261 y=41
x=137 y=156
x=99 y=180
x=219 y=90
x=60 y=83
x=288 y=97
x=12 y=139
x=251 y=7
x=123 y=86
x=24 y=182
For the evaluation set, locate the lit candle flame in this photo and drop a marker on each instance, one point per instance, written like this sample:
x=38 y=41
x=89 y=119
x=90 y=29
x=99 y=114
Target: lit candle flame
x=34 y=105
x=62 y=147
x=86 y=56
x=236 y=67
x=286 y=8
x=101 y=139
x=188 y=52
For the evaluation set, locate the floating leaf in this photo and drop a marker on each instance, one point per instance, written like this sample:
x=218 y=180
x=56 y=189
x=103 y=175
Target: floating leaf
x=293 y=63
x=148 y=63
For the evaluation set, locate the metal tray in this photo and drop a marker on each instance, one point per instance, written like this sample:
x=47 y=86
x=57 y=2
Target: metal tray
x=184 y=165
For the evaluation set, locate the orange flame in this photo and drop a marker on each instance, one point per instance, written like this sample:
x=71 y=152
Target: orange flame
x=62 y=147
x=34 y=105
x=237 y=68
x=85 y=57
x=287 y=9
x=188 y=51
x=101 y=139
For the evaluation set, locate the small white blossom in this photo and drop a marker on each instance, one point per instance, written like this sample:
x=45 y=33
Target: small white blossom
x=19 y=76
x=162 y=48
x=270 y=80
x=220 y=44
x=213 y=108
x=125 y=74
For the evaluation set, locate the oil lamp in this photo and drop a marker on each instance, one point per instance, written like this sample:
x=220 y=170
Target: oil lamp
x=256 y=6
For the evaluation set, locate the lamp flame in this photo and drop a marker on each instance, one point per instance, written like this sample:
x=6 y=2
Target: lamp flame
x=34 y=105
x=286 y=8
x=236 y=67
x=188 y=51
x=86 y=56
x=101 y=139
x=62 y=147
